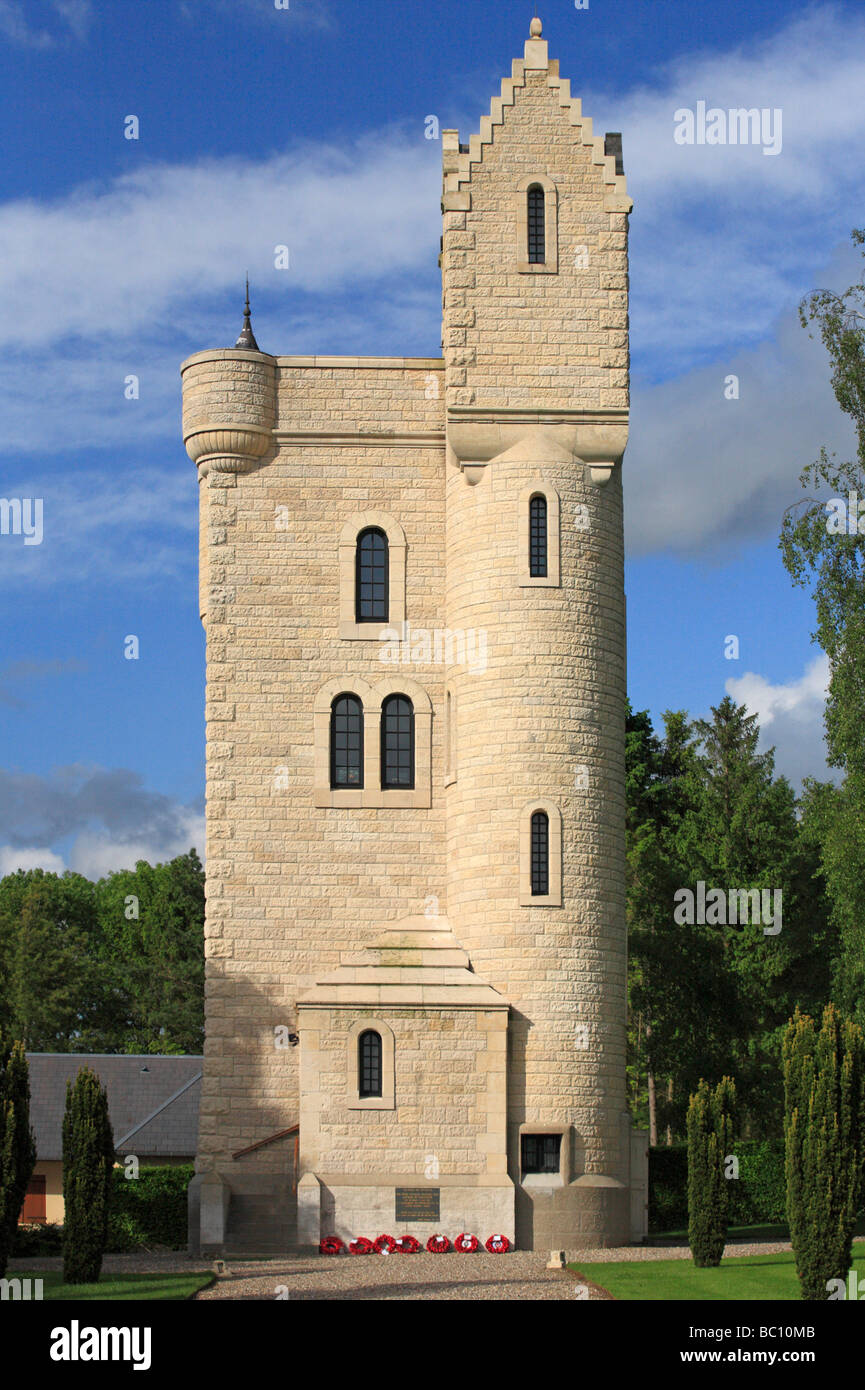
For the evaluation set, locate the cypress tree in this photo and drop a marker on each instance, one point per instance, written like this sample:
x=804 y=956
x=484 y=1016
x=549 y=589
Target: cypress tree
x=88 y=1158
x=710 y=1135
x=824 y=1132
x=17 y=1143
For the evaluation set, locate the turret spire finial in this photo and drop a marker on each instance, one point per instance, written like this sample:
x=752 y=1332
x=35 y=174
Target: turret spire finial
x=536 y=29
x=247 y=337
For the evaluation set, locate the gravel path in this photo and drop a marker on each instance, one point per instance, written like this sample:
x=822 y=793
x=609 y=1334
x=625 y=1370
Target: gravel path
x=519 y=1275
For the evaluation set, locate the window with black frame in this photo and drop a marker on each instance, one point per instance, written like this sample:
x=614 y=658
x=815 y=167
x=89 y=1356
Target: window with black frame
x=346 y=742
x=541 y=1153
x=371 y=577
x=397 y=743
x=369 y=1067
x=540 y=854
x=538 y=537
x=537 y=225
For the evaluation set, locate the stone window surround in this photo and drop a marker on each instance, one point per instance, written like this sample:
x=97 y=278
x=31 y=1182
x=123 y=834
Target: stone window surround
x=396 y=544
x=551 y=226
x=554 y=897
x=387 y=1099
x=552 y=578
x=560 y=1179
x=372 y=793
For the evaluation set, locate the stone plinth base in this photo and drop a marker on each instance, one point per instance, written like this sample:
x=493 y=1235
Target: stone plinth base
x=590 y=1213
x=348 y=1206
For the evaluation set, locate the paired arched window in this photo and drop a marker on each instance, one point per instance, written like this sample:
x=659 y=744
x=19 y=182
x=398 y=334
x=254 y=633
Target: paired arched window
x=540 y=854
x=346 y=742
x=397 y=742
x=537 y=225
x=369 y=1064
x=371 y=577
x=538 y=537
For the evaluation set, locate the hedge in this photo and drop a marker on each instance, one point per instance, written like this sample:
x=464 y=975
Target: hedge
x=757 y=1196
x=146 y=1211
x=150 y=1209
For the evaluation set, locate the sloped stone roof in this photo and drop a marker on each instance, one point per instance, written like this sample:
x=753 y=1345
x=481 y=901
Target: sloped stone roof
x=416 y=961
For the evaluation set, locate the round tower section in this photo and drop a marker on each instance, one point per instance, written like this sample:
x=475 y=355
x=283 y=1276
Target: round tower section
x=229 y=414
x=538 y=727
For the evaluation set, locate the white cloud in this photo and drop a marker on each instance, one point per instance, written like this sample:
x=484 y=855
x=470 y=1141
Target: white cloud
x=13 y=859
x=115 y=264
x=723 y=236
x=105 y=528
x=93 y=820
x=705 y=475
x=791 y=718
x=95 y=855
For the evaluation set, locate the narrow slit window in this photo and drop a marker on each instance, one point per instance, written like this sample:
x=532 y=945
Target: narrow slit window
x=397 y=743
x=369 y=1067
x=538 y=538
x=537 y=225
x=371 y=577
x=346 y=742
x=540 y=854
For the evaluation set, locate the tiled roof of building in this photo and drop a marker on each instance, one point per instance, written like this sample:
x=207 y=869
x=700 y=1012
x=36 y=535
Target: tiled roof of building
x=152 y=1101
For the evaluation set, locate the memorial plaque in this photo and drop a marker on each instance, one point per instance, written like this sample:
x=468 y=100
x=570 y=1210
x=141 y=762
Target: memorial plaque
x=417 y=1203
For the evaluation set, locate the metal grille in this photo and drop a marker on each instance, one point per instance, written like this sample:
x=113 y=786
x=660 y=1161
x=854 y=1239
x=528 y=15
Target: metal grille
x=540 y=854
x=538 y=538
x=537 y=226
x=397 y=742
x=346 y=742
x=541 y=1153
x=369 y=1064
x=371 y=577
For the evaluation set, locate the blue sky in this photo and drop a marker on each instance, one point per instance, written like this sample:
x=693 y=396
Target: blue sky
x=306 y=127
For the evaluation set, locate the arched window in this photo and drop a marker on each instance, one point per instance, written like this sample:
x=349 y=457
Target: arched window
x=371 y=577
x=397 y=742
x=538 y=537
x=346 y=742
x=540 y=854
x=537 y=225
x=369 y=1067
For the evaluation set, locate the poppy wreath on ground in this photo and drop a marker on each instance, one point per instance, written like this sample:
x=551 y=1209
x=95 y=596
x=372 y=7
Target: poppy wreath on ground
x=498 y=1245
x=438 y=1245
x=331 y=1245
x=407 y=1245
x=384 y=1245
x=361 y=1246
x=465 y=1244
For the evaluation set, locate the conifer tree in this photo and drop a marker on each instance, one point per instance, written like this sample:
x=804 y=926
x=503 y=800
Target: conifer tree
x=17 y=1144
x=88 y=1158
x=710 y=1135
x=824 y=1130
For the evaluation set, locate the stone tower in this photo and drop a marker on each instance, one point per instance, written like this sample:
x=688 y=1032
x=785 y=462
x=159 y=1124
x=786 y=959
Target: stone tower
x=415 y=855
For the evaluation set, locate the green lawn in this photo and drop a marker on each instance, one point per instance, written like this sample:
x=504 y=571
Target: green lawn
x=750 y=1277
x=113 y=1287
